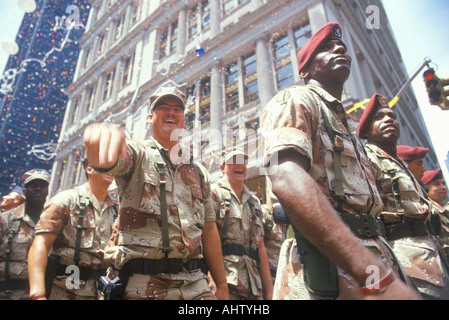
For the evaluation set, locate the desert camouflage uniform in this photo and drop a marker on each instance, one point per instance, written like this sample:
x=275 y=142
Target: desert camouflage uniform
x=242 y=271
x=138 y=233
x=274 y=237
x=293 y=120
x=418 y=253
x=21 y=244
x=60 y=217
x=443 y=212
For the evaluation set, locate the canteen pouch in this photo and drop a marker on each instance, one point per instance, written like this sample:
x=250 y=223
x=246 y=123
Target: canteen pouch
x=112 y=289
x=320 y=274
x=279 y=215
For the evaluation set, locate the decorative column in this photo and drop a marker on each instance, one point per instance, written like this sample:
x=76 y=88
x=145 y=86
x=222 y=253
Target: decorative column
x=182 y=32
x=265 y=74
x=215 y=17
x=216 y=96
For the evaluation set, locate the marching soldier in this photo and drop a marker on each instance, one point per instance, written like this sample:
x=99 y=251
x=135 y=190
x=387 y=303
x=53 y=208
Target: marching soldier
x=74 y=227
x=166 y=227
x=437 y=192
x=322 y=179
x=17 y=234
x=407 y=213
x=241 y=228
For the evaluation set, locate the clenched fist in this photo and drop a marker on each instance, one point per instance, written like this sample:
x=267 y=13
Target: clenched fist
x=104 y=144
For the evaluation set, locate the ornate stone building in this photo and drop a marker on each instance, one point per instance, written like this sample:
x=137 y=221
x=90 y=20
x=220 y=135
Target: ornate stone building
x=230 y=57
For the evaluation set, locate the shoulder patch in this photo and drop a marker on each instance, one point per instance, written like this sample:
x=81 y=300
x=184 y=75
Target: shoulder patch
x=283 y=96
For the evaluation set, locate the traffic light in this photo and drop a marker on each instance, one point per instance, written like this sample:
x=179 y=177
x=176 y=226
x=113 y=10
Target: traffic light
x=434 y=89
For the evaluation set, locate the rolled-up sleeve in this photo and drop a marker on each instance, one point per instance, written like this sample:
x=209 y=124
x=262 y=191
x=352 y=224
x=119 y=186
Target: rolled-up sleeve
x=289 y=122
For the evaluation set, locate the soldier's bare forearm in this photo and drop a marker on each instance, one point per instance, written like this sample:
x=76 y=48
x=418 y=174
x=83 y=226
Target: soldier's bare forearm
x=311 y=213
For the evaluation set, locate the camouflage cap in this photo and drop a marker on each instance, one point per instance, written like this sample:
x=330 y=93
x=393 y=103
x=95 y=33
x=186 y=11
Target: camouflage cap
x=36 y=174
x=166 y=92
x=229 y=154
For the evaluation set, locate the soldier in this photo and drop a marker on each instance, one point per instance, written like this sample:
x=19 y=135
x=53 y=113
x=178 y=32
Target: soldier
x=322 y=179
x=77 y=224
x=407 y=211
x=166 y=223
x=414 y=159
x=17 y=234
x=240 y=224
x=437 y=192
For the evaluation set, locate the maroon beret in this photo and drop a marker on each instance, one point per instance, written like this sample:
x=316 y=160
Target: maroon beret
x=432 y=175
x=331 y=31
x=377 y=101
x=407 y=153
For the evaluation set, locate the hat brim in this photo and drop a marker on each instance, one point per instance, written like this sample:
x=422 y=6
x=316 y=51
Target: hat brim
x=158 y=101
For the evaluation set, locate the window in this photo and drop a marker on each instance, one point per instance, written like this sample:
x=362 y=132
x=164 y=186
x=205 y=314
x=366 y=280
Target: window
x=90 y=99
x=174 y=36
x=228 y=6
x=108 y=85
x=193 y=22
x=205 y=100
x=101 y=44
x=189 y=120
x=119 y=27
x=205 y=18
x=252 y=125
x=127 y=70
x=242 y=69
x=86 y=59
x=232 y=86
x=281 y=47
x=163 y=43
x=168 y=40
x=302 y=34
x=135 y=13
x=250 y=78
x=285 y=76
x=75 y=105
x=284 y=68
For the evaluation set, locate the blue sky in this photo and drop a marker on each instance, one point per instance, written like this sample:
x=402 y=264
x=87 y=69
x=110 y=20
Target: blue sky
x=420 y=28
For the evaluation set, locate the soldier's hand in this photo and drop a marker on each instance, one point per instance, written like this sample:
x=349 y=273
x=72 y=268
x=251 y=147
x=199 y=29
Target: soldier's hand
x=397 y=290
x=104 y=144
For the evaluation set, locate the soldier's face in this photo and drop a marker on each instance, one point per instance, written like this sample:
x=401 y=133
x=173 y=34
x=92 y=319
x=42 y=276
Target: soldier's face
x=330 y=63
x=99 y=179
x=438 y=190
x=166 y=118
x=235 y=169
x=36 y=190
x=417 y=168
x=384 y=127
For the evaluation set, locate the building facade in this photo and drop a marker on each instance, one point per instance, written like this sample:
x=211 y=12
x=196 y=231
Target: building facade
x=32 y=95
x=230 y=57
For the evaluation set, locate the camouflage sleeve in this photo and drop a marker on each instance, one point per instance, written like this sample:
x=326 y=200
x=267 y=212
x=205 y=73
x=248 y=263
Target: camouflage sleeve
x=289 y=121
x=56 y=213
x=215 y=199
x=208 y=203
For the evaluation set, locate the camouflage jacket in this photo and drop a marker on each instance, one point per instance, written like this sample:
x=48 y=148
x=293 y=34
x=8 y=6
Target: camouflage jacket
x=138 y=232
x=21 y=242
x=60 y=217
x=418 y=255
x=242 y=272
x=294 y=120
